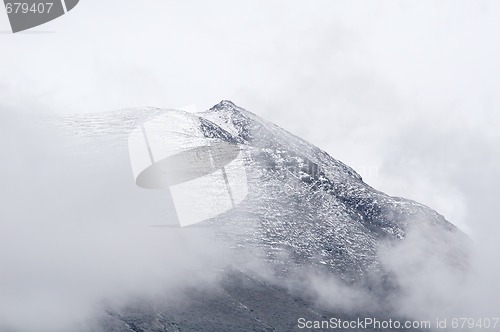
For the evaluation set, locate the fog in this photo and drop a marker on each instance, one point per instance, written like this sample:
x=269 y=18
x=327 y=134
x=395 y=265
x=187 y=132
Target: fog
x=75 y=234
x=405 y=93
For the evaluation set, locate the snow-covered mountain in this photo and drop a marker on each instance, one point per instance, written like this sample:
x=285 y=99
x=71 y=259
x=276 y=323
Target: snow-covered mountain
x=304 y=211
x=311 y=205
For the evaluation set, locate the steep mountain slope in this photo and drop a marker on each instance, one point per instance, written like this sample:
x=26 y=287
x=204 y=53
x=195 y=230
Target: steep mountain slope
x=306 y=203
x=305 y=211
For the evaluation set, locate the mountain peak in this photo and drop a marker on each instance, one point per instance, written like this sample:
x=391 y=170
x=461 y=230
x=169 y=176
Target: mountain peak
x=304 y=211
x=225 y=104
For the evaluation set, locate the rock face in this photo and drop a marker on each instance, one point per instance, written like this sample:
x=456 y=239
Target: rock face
x=312 y=206
x=304 y=210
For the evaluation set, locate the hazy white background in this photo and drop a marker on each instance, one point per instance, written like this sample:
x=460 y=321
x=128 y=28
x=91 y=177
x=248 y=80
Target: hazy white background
x=406 y=92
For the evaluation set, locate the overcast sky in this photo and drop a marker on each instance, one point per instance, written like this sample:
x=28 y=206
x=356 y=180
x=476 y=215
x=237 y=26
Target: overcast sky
x=405 y=92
